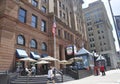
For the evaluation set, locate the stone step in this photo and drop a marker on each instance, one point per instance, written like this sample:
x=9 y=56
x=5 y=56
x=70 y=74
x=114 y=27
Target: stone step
x=39 y=79
x=31 y=80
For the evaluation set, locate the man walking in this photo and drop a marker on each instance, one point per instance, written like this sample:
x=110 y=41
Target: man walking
x=50 y=75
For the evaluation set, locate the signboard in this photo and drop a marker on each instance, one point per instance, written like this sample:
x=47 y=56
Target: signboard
x=69 y=50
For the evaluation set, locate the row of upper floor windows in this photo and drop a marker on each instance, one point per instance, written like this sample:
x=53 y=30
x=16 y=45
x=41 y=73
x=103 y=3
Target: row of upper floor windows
x=99 y=32
x=102 y=48
x=62 y=14
x=99 y=37
x=34 y=20
x=35 y=3
x=33 y=43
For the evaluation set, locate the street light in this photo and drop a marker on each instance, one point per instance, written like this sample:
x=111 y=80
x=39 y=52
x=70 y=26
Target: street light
x=94 y=57
x=113 y=20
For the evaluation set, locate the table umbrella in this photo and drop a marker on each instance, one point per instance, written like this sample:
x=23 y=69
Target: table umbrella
x=42 y=62
x=64 y=62
x=27 y=59
x=49 y=58
x=75 y=58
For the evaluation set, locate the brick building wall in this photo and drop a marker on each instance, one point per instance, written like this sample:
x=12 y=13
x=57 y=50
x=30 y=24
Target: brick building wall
x=11 y=27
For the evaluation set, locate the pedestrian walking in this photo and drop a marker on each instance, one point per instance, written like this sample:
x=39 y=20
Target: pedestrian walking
x=96 y=70
x=33 y=70
x=102 y=70
x=50 y=76
x=27 y=71
x=18 y=70
x=54 y=71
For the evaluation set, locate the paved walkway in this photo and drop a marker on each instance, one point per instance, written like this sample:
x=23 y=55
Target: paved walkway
x=112 y=77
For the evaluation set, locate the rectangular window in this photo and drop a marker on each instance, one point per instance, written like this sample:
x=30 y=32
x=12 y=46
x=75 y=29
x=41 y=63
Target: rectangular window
x=43 y=9
x=59 y=4
x=63 y=6
x=65 y=34
x=59 y=33
x=22 y=15
x=60 y=13
x=34 y=3
x=43 y=25
x=34 y=21
x=64 y=15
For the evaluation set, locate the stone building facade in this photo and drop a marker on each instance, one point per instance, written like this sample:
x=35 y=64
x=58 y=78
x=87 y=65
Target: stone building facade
x=26 y=26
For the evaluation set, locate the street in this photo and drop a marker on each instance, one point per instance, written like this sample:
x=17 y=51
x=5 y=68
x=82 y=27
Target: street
x=112 y=77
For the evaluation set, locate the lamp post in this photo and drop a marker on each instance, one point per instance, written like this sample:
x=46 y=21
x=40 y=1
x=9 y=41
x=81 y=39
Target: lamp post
x=73 y=54
x=94 y=57
x=75 y=62
x=113 y=21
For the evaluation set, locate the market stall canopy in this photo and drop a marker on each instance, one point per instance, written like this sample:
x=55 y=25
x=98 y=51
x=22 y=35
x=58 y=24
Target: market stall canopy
x=35 y=55
x=21 y=53
x=42 y=62
x=83 y=51
x=100 y=58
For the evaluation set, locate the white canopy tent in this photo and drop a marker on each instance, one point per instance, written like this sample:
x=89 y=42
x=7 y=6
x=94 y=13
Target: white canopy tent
x=86 y=56
x=100 y=58
x=83 y=51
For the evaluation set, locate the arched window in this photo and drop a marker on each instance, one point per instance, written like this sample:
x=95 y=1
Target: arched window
x=33 y=43
x=44 y=46
x=20 y=40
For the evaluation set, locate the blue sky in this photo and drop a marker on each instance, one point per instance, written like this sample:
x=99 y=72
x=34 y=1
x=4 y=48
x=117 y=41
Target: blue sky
x=115 y=4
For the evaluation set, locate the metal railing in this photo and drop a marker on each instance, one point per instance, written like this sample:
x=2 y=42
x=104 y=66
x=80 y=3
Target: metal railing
x=3 y=73
x=4 y=78
x=72 y=73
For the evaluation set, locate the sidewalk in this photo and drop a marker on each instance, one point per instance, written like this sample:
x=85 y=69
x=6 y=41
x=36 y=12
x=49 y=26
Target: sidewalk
x=112 y=77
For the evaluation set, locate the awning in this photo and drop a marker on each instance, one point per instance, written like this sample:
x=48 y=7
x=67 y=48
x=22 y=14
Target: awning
x=21 y=53
x=34 y=55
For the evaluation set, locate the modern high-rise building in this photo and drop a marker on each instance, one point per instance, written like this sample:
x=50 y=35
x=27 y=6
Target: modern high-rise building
x=99 y=32
x=26 y=30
